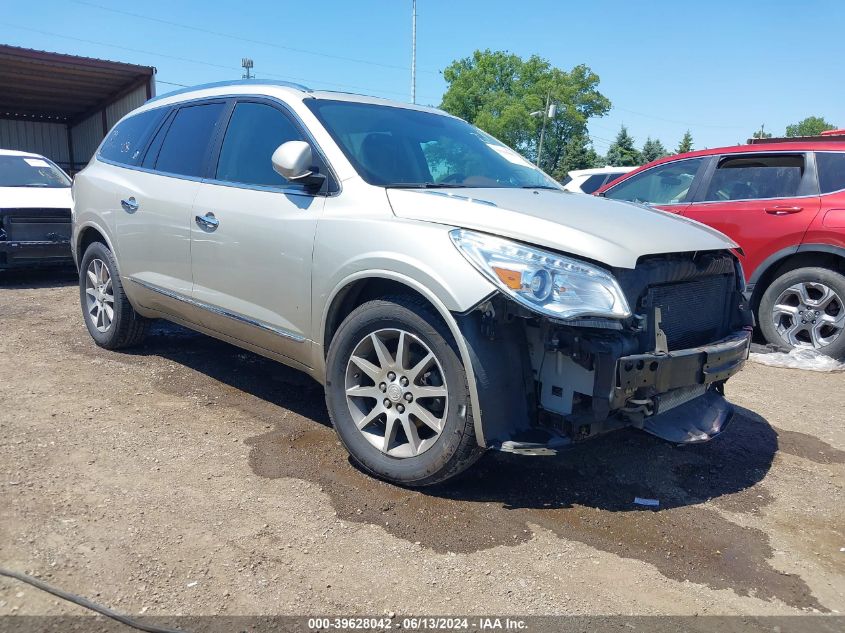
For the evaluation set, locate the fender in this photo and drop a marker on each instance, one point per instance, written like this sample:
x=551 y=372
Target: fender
x=78 y=229
x=448 y=318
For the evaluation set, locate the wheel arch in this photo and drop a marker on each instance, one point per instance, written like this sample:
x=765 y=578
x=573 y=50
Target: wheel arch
x=367 y=285
x=86 y=235
x=792 y=258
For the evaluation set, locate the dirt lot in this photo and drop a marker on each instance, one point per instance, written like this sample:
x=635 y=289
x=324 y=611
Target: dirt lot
x=190 y=477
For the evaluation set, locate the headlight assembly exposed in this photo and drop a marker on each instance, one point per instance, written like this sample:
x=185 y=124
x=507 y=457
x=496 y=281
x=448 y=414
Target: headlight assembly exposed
x=542 y=281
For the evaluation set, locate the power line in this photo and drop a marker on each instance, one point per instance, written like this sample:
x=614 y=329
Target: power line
x=201 y=62
x=245 y=39
x=688 y=125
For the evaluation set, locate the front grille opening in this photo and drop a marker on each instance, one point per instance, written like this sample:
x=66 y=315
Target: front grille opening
x=694 y=312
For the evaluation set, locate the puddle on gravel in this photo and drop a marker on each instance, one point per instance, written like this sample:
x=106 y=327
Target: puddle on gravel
x=809 y=447
x=585 y=495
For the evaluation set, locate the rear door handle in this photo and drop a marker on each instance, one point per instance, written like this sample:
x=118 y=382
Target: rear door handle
x=207 y=222
x=782 y=210
x=130 y=205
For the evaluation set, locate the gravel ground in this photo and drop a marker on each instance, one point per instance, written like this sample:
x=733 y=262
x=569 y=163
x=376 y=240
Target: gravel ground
x=190 y=477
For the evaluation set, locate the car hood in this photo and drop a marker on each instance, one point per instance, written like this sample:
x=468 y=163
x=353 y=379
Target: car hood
x=615 y=233
x=35 y=198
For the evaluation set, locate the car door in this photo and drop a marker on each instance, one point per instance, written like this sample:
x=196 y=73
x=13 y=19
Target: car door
x=667 y=186
x=252 y=235
x=153 y=230
x=763 y=201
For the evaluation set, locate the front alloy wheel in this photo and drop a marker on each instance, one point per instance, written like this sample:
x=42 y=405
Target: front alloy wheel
x=396 y=393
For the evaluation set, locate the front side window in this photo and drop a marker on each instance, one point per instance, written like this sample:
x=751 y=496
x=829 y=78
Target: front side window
x=756 y=177
x=665 y=184
x=255 y=131
x=831 y=166
x=399 y=147
x=124 y=143
x=185 y=147
x=31 y=171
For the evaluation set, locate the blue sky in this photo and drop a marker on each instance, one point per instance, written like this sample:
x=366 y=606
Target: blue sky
x=719 y=68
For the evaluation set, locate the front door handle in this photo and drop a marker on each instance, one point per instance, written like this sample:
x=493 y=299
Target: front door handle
x=782 y=210
x=207 y=222
x=130 y=205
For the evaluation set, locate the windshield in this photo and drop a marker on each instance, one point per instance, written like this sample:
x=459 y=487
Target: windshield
x=399 y=147
x=31 y=171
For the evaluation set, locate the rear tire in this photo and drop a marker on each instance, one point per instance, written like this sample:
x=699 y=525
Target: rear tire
x=805 y=308
x=111 y=320
x=404 y=417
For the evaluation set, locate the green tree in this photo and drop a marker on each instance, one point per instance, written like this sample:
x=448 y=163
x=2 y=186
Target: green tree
x=652 y=150
x=686 y=144
x=811 y=126
x=578 y=154
x=498 y=91
x=622 y=152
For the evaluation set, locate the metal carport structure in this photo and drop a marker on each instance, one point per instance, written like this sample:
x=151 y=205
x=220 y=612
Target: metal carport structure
x=61 y=105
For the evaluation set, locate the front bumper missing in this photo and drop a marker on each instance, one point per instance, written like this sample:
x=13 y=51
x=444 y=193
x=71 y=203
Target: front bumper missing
x=663 y=373
x=676 y=396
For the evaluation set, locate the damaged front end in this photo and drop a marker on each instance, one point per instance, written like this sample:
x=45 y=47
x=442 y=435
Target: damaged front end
x=545 y=383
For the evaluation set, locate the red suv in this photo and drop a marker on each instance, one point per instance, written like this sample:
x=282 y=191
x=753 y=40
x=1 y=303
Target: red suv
x=783 y=202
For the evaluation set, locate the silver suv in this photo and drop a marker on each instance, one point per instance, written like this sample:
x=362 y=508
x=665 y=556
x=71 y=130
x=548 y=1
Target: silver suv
x=450 y=296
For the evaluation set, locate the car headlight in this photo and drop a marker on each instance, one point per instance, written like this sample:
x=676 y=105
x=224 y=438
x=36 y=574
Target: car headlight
x=545 y=282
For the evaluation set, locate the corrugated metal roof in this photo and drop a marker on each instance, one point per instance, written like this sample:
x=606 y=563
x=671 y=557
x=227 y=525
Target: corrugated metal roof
x=44 y=86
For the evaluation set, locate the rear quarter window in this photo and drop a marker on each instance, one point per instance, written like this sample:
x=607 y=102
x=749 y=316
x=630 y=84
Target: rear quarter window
x=127 y=139
x=831 y=166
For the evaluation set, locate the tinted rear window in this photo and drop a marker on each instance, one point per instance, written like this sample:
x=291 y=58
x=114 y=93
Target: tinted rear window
x=592 y=183
x=124 y=143
x=831 y=166
x=186 y=144
x=756 y=178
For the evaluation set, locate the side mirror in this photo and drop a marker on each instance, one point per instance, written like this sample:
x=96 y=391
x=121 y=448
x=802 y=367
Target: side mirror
x=294 y=161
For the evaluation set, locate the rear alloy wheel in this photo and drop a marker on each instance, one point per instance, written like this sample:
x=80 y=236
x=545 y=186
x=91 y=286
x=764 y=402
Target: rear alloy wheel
x=805 y=308
x=99 y=295
x=397 y=393
x=111 y=320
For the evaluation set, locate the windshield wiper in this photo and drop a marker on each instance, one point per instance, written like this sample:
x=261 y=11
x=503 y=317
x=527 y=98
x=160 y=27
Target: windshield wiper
x=541 y=187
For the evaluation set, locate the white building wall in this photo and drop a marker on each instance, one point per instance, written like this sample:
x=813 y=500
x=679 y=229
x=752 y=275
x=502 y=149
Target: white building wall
x=50 y=139
x=47 y=139
x=125 y=105
x=86 y=138
x=88 y=134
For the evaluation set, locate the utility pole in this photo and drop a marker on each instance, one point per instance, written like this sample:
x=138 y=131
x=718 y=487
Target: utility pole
x=414 y=51
x=246 y=64
x=548 y=113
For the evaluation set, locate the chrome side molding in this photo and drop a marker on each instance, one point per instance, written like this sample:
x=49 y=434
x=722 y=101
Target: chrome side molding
x=220 y=311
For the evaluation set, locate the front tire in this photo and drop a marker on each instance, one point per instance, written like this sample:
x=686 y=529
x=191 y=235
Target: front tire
x=397 y=393
x=805 y=308
x=111 y=320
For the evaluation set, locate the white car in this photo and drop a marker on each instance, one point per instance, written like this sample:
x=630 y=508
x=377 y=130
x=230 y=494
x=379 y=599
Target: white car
x=35 y=202
x=589 y=180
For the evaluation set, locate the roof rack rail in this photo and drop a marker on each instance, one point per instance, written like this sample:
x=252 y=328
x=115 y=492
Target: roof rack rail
x=828 y=136
x=235 y=82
